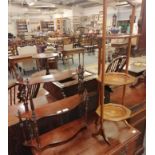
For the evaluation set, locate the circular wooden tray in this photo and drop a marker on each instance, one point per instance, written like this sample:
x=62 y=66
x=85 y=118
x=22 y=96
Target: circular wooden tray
x=114 y=112
x=118 y=79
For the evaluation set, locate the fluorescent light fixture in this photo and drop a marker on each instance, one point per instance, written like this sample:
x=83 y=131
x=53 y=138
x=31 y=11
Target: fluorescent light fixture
x=32 y=3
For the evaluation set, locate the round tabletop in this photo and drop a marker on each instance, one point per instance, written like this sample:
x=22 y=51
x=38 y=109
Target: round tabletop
x=44 y=55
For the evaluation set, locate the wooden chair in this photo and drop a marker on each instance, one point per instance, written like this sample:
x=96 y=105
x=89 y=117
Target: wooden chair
x=21 y=93
x=29 y=64
x=67 y=56
x=116 y=65
x=12 y=94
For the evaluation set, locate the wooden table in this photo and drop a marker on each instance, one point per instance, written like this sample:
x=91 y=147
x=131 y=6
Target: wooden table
x=137 y=65
x=18 y=58
x=74 y=51
x=45 y=56
x=119 y=45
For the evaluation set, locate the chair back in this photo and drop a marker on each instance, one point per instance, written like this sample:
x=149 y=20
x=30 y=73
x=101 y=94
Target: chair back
x=12 y=94
x=27 y=50
x=117 y=64
x=22 y=93
x=68 y=46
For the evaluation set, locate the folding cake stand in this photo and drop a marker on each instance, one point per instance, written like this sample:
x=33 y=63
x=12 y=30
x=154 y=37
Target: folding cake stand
x=113 y=112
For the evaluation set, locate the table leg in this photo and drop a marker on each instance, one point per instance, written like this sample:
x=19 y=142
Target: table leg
x=47 y=67
x=79 y=59
x=13 y=70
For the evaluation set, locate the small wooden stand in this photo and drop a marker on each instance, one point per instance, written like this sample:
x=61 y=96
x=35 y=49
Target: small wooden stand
x=102 y=63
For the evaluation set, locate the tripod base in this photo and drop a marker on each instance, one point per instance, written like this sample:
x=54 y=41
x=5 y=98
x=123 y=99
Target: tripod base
x=100 y=131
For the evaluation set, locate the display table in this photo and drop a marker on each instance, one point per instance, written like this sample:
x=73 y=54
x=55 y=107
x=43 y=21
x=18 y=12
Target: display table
x=13 y=60
x=45 y=56
x=137 y=65
x=68 y=84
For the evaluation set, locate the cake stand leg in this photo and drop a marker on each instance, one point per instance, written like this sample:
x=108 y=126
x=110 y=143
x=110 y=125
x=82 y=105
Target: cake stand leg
x=100 y=130
x=47 y=68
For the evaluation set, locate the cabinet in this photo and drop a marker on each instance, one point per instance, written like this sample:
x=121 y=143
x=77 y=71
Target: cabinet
x=47 y=26
x=59 y=24
x=21 y=27
x=76 y=22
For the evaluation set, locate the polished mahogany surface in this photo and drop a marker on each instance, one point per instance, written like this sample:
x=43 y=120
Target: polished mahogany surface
x=56 y=108
x=85 y=144
x=44 y=55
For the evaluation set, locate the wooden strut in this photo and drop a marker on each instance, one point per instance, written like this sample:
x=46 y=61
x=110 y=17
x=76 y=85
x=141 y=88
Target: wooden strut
x=129 y=47
x=101 y=75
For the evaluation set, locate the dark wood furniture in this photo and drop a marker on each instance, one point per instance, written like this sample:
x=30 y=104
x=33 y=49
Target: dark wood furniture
x=142 y=27
x=134 y=99
x=50 y=110
x=68 y=85
x=84 y=143
x=19 y=92
x=12 y=94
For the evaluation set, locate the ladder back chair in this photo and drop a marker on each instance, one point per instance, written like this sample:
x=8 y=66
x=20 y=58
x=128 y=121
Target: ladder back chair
x=12 y=94
x=21 y=93
x=116 y=65
x=67 y=45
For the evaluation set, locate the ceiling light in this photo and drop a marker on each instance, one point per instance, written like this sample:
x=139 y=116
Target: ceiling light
x=32 y=3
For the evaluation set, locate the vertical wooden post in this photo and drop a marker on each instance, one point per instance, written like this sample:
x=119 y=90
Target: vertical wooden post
x=129 y=46
x=101 y=90
x=101 y=74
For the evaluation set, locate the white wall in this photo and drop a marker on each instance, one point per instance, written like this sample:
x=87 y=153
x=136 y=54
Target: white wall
x=95 y=10
x=18 y=12
x=92 y=10
x=77 y=11
x=124 y=13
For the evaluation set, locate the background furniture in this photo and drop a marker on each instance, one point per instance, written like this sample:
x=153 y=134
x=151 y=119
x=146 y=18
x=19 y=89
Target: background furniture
x=30 y=64
x=47 y=26
x=21 y=27
x=45 y=57
x=68 y=86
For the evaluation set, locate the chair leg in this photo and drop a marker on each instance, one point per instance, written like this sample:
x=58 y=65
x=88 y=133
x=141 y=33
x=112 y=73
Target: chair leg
x=63 y=60
x=72 y=59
